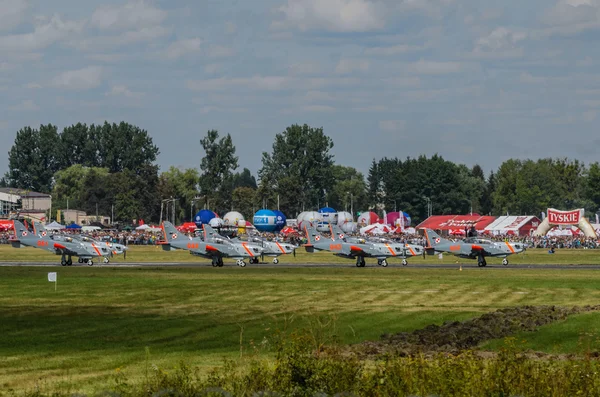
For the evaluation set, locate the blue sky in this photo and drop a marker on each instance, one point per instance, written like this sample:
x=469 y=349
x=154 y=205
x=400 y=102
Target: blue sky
x=477 y=82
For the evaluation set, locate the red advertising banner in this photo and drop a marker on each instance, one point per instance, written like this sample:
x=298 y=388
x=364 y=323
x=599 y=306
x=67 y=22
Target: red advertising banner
x=556 y=217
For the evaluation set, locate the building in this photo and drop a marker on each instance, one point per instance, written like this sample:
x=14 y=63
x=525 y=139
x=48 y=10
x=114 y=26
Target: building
x=13 y=199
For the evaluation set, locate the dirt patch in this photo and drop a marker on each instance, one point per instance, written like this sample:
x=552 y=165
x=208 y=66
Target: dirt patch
x=457 y=336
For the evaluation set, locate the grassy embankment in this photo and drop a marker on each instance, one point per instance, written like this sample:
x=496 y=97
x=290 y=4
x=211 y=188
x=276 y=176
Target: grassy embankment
x=104 y=319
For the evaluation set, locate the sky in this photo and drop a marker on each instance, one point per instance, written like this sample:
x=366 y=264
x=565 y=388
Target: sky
x=477 y=82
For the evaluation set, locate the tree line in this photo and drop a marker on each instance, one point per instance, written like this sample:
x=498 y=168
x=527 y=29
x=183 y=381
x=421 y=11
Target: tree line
x=111 y=168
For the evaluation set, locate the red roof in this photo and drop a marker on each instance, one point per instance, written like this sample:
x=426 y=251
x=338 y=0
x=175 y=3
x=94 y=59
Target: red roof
x=452 y=222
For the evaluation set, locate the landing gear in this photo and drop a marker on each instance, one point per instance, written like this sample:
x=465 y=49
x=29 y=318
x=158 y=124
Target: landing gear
x=404 y=262
x=254 y=260
x=69 y=261
x=275 y=261
x=63 y=262
x=382 y=262
x=241 y=263
x=215 y=261
x=481 y=262
x=220 y=262
x=79 y=260
x=360 y=261
x=90 y=262
x=106 y=260
x=505 y=262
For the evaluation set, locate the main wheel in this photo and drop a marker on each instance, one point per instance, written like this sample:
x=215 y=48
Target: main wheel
x=220 y=262
x=484 y=263
x=79 y=260
x=363 y=263
x=384 y=263
x=63 y=262
x=69 y=262
x=275 y=260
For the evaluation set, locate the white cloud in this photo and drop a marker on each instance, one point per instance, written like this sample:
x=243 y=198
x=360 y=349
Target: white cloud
x=572 y=16
x=318 y=108
x=391 y=50
x=183 y=47
x=46 y=33
x=392 y=125
x=500 y=43
x=530 y=79
x=124 y=91
x=25 y=105
x=12 y=13
x=81 y=79
x=270 y=83
x=346 y=66
x=432 y=67
x=217 y=51
x=304 y=68
x=334 y=15
x=131 y=16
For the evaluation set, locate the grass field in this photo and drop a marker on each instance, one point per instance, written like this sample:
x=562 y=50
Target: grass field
x=102 y=321
x=156 y=254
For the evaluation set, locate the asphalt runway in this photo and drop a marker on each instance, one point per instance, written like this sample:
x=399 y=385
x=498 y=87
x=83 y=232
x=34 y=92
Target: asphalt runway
x=309 y=265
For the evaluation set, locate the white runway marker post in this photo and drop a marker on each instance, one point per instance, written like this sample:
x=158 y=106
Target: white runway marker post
x=52 y=278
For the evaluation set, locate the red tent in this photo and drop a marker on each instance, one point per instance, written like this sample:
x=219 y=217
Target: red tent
x=6 y=225
x=287 y=230
x=187 y=227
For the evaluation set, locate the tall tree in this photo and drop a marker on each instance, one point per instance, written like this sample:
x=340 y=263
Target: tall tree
x=78 y=145
x=123 y=146
x=32 y=159
x=244 y=179
x=373 y=184
x=243 y=201
x=183 y=187
x=217 y=166
x=348 y=190
x=298 y=169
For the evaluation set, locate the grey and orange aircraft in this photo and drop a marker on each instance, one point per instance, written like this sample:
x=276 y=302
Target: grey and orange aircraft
x=359 y=251
x=473 y=247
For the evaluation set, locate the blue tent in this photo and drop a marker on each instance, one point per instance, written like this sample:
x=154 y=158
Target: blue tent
x=73 y=226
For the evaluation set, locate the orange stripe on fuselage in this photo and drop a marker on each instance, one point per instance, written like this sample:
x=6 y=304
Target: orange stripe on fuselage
x=280 y=247
x=247 y=250
x=412 y=252
x=96 y=249
x=391 y=250
x=512 y=250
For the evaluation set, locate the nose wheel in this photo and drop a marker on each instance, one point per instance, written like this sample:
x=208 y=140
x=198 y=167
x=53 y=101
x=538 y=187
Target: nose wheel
x=505 y=262
x=404 y=262
x=106 y=260
x=241 y=263
x=275 y=261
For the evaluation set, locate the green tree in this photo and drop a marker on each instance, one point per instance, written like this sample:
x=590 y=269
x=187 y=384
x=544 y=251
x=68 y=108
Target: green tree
x=123 y=146
x=243 y=201
x=592 y=186
x=298 y=169
x=217 y=166
x=182 y=185
x=78 y=145
x=349 y=189
x=244 y=179
x=487 y=204
x=72 y=184
x=373 y=184
x=32 y=159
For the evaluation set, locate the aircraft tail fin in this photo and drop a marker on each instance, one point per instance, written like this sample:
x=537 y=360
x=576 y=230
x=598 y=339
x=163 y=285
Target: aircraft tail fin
x=312 y=235
x=336 y=233
x=434 y=239
x=169 y=231
x=39 y=229
x=208 y=232
x=20 y=230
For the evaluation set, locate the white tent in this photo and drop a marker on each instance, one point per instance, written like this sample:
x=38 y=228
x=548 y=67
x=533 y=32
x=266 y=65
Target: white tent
x=377 y=228
x=90 y=228
x=142 y=227
x=54 y=226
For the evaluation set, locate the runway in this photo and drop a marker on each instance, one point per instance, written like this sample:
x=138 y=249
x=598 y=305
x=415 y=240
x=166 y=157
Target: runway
x=306 y=265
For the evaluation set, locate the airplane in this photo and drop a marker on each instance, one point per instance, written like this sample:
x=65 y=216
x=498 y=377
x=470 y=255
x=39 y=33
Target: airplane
x=270 y=248
x=67 y=248
x=115 y=248
x=213 y=248
x=406 y=250
x=358 y=251
x=474 y=248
